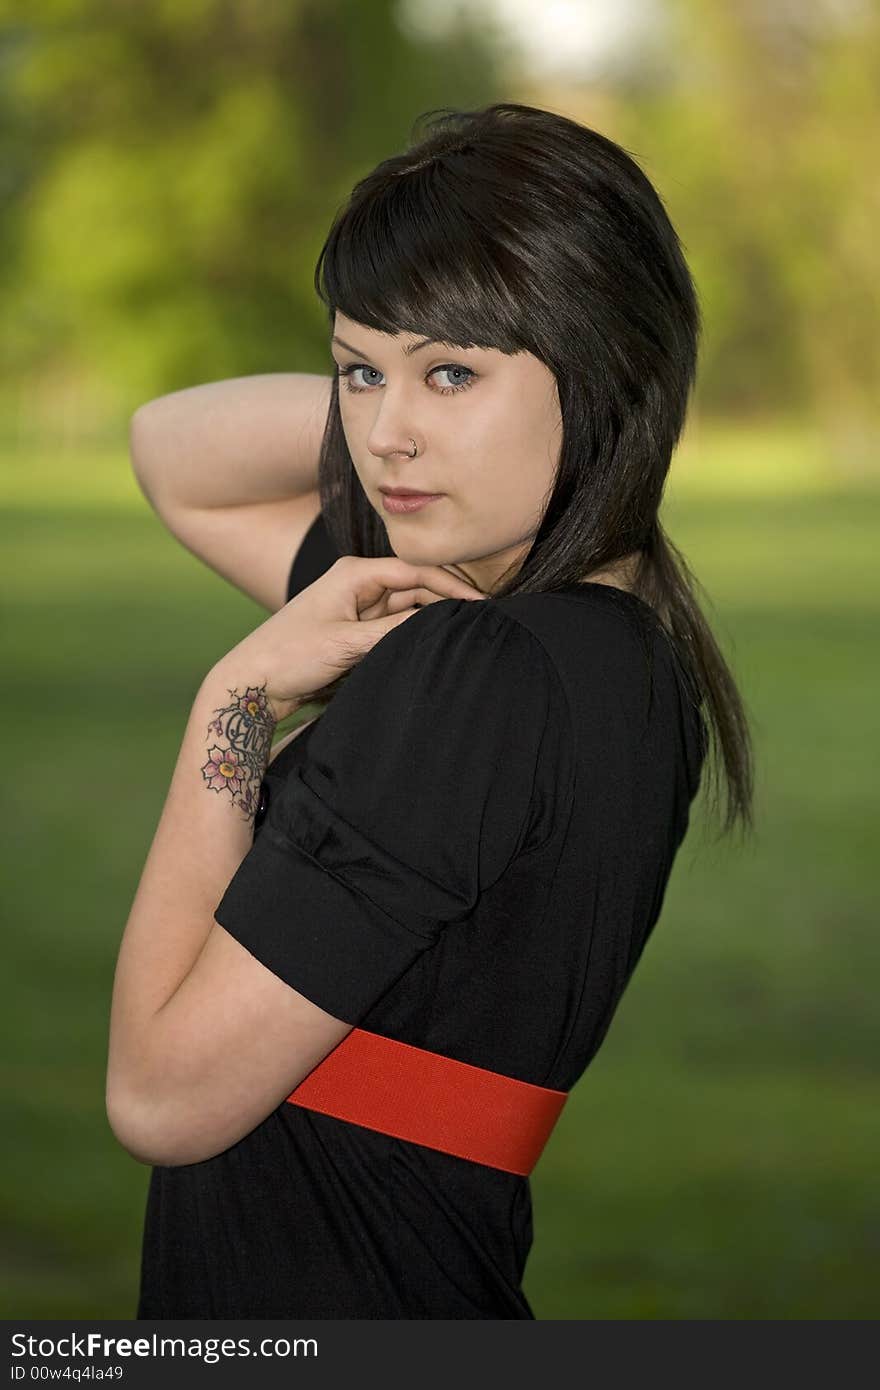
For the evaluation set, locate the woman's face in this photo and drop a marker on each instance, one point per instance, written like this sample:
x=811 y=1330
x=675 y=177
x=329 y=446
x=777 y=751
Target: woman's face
x=488 y=428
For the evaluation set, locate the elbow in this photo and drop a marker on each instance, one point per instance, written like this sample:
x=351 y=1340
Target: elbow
x=144 y=450
x=138 y=1128
x=151 y=1135
x=126 y=1133
x=138 y=429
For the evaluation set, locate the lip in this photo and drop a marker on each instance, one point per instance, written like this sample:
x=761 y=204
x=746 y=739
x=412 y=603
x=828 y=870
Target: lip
x=401 y=502
x=407 y=492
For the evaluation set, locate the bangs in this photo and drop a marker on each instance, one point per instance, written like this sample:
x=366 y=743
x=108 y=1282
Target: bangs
x=418 y=253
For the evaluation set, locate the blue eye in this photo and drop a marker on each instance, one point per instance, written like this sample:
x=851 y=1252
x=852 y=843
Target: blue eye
x=346 y=372
x=462 y=385
x=459 y=385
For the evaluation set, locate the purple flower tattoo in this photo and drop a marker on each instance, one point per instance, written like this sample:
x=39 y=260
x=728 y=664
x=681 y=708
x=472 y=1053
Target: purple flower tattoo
x=237 y=761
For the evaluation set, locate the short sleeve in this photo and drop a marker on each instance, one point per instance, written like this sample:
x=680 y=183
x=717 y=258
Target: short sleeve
x=421 y=782
x=315 y=555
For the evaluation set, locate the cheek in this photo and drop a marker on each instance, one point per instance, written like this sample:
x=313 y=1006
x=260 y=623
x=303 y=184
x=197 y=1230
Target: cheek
x=514 y=476
x=515 y=446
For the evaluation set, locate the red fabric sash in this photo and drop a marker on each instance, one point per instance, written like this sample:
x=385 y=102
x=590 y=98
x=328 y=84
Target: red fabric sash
x=429 y=1099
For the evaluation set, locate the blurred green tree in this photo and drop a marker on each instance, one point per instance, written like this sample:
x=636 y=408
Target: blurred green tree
x=174 y=169
x=764 y=142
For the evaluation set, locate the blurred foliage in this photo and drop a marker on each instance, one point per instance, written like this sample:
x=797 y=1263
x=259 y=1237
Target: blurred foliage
x=758 y=125
x=173 y=169
x=170 y=172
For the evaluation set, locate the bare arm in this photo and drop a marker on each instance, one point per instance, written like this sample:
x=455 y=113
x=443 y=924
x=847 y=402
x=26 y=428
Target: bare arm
x=232 y=443
x=200 y=841
x=231 y=468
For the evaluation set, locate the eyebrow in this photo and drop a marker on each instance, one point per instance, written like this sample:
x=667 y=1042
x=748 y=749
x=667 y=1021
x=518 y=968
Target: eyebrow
x=407 y=351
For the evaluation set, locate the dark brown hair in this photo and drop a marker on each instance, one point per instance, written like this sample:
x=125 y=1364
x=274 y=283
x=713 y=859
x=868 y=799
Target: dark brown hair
x=515 y=228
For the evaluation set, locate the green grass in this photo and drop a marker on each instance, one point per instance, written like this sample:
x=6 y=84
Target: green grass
x=718 y=1159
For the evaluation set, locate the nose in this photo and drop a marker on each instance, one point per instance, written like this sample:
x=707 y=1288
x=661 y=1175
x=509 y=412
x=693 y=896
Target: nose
x=391 y=429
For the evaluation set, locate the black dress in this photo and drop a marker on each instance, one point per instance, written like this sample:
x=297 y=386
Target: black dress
x=465 y=852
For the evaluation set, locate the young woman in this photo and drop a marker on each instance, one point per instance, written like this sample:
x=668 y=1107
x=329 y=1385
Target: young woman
x=461 y=858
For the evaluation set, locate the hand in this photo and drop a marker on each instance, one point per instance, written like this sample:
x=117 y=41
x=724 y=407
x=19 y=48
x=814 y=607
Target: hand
x=327 y=627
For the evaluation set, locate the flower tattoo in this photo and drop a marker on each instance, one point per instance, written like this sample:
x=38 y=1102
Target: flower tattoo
x=236 y=762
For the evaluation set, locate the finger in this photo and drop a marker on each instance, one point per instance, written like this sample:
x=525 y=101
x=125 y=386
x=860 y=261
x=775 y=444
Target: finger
x=440 y=581
x=403 y=598
x=437 y=598
x=374 y=610
x=397 y=600
x=393 y=602
x=395 y=619
x=376 y=628
x=372 y=577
